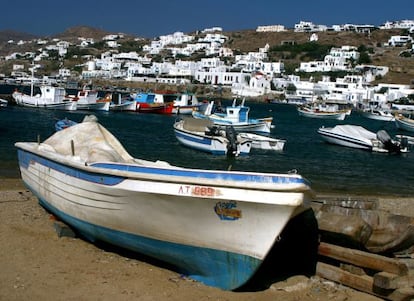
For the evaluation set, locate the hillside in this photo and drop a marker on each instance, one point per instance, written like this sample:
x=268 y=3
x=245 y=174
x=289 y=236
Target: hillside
x=401 y=69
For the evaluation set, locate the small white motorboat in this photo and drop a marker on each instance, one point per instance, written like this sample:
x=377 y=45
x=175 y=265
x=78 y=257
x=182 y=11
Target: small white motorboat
x=264 y=142
x=356 y=136
x=202 y=134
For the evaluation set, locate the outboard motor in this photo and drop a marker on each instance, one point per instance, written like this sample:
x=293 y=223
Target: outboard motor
x=231 y=135
x=404 y=143
x=386 y=140
x=213 y=131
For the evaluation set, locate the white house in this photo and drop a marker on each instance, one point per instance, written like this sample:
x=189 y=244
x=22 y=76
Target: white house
x=398 y=41
x=258 y=84
x=270 y=28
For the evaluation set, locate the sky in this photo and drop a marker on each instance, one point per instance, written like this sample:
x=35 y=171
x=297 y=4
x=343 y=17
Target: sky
x=153 y=18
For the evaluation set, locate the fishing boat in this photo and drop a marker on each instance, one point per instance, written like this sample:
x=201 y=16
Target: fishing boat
x=152 y=103
x=264 y=142
x=213 y=226
x=322 y=112
x=236 y=115
x=405 y=123
x=50 y=97
x=121 y=103
x=201 y=134
x=88 y=99
x=377 y=114
x=185 y=104
x=356 y=136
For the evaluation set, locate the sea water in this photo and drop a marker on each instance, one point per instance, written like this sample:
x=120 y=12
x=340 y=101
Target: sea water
x=329 y=168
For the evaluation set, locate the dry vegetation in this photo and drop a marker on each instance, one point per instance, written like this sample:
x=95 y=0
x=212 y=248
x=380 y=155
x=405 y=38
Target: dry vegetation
x=401 y=68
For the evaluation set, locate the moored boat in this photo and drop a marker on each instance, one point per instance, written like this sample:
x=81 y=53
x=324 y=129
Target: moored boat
x=119 y=103
x=264 y=142
x=356 y=136
x=378 y=114
x=152 y=103
x=201 y=134
x=403 y=122
x=88 y=99
x=215 y=226
x=237 y=116
x=64 y=124
x=50 y=97
x=185 y=104
x=322 y=112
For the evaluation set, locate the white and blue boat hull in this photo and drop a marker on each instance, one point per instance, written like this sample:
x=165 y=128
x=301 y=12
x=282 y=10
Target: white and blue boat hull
x=214 y=226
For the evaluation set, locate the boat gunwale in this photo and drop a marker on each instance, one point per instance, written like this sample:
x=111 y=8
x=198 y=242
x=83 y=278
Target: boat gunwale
x=295 y=182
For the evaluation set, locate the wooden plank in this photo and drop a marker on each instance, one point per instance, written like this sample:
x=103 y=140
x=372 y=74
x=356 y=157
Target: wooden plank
x=363 y=259
x=387 y=280
x=360 y=282
x=401 y=294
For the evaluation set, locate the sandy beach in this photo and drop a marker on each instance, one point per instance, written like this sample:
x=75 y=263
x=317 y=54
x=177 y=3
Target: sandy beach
x=37 y=264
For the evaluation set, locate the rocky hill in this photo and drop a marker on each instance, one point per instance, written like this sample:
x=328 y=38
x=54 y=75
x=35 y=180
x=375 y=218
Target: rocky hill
x=7 y=35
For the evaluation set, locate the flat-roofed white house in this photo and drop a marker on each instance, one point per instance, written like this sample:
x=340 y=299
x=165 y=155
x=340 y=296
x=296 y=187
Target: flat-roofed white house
x=270 y=28
x=253 y=85
x=398 y=41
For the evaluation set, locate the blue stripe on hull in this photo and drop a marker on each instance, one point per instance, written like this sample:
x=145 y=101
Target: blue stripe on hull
x=216 y=268
x=25 y=158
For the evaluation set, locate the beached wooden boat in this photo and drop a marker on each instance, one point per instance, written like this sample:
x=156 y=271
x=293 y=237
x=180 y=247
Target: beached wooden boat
x=215 y=226
x=358 y=223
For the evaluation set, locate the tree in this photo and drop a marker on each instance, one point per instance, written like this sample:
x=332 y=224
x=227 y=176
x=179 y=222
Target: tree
x=364 y=58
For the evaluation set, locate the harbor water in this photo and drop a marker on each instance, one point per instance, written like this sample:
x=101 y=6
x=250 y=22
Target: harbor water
x=329 y=168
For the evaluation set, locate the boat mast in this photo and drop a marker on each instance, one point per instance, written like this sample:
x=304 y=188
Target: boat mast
x=32 y=81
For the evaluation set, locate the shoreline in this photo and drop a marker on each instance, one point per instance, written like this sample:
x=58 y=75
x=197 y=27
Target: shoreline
x=38 y=264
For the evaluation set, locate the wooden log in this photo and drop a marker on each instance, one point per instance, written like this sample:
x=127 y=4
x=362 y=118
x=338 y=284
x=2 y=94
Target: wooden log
x=363 y=259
